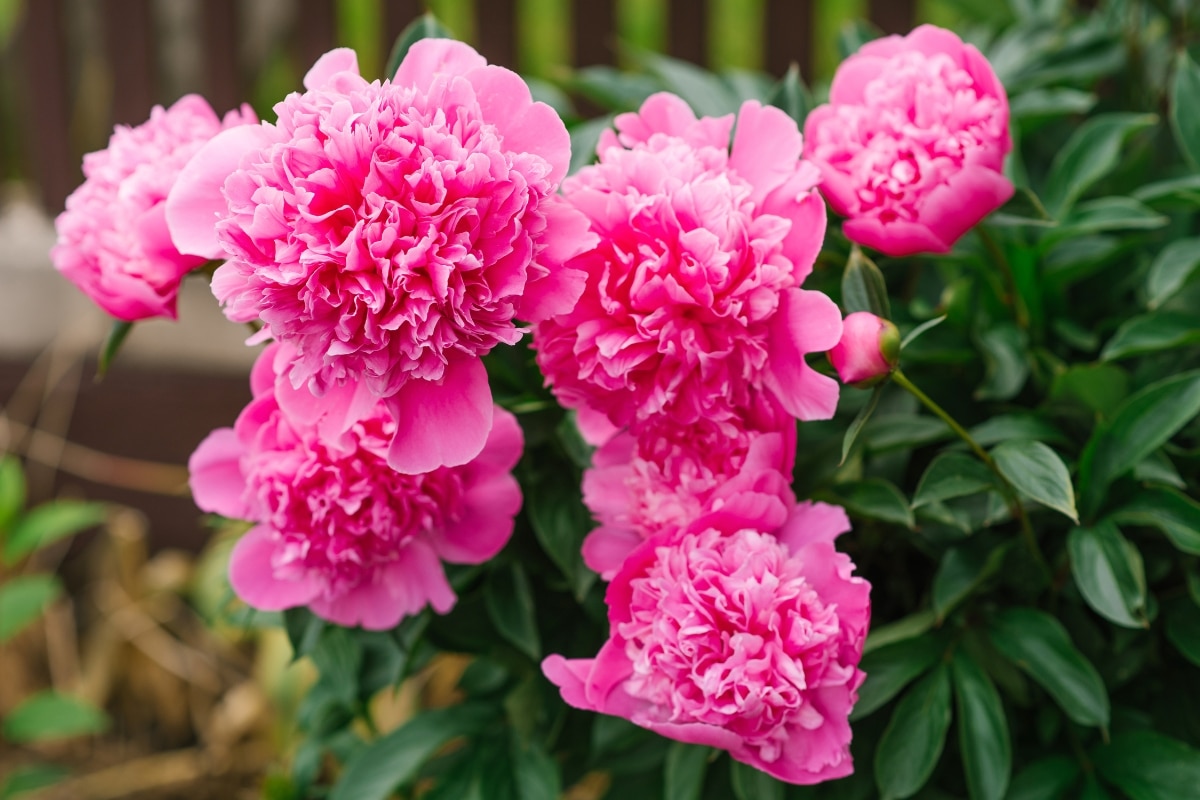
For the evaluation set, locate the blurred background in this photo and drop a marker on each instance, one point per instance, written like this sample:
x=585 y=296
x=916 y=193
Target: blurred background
x=196 y=703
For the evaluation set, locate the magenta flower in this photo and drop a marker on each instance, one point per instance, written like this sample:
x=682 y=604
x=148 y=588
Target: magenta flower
x=113 y=241
x=337 y=529
x=738 y=639
x=391 y=233
x=692 y=302
x=868 y=350
x=912 y=143
x=656 y=485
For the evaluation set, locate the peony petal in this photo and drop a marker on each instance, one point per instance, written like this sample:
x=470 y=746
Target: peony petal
x=484 y=524
x=567 y=235
x=215 y=475
x=196 y=201
x=896 y=238
x=812 y=522
x=961 y=203
x=252 y=575
x=606 y=548
x=806 y=322
x=766 y=146
x=570 y=676
x=853 y=75
x=798 y=201
x=932 y=40
x=341 y=59
x=400 y=589
x=594 y=426
x=524 y=126
x=430 y=57
x=442 y=425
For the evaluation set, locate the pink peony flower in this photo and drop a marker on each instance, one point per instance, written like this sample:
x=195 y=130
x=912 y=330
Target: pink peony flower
x=868 y=350
x=692 y=301
x=391 y=233
x=738 y=639
x=336 y=528
x=912 y=143
x=113 y=241
x=655 y=486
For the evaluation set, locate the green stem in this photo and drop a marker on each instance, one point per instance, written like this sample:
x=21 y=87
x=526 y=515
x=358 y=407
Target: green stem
x=1010 y=494
x=1010 y=281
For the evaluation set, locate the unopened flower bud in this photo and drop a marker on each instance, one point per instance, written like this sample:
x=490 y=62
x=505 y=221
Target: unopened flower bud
x=868 y=351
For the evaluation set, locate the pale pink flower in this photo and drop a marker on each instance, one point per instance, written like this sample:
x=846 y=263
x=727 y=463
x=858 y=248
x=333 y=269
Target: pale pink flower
x=337 y=529
x=391 y=233
x=692 y=301
x=638 y=488
x=736 y=638
x=912 y=143
x=113 y=241
x=868 y=350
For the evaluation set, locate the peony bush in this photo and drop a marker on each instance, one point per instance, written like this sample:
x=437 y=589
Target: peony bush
x=726 y=445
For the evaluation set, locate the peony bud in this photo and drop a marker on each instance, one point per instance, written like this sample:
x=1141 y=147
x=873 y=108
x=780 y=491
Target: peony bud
x=868 y=350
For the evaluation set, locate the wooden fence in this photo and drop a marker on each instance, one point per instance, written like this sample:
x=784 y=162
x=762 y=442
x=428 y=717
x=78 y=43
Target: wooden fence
x=60 y=96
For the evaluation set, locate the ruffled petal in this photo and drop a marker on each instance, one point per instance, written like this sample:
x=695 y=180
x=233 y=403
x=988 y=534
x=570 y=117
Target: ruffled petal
x=442 y=424
x=252 y=575
x=806 y=322
x=215 y=475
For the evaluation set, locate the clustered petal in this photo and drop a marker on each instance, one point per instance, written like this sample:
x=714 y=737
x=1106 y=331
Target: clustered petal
x=113 y=241
x=336 y=528
x=390 y=232
x=912 y=143
x=692 y=302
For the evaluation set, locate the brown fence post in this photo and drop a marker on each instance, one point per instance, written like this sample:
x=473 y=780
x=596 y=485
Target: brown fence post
x=788 y=36
x=129 y=39
x=496 y=26
x=397 y=14
x=687 y=33
x=44 y=104
x=222 y=68
x=893 y=16
x=594 y=28
x=314 y=31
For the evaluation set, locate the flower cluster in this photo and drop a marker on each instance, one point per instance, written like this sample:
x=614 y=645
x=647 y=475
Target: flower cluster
x=912 y=143
x=392 y=232
x=388 y=235
x=336 y=528
x=113 y=241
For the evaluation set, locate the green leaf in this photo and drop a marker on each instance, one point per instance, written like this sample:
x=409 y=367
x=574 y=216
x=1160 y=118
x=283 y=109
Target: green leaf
x=303 y=630
x=863 y=286
x=49 y=715
x=536 y=774
x=901 y=630
x=983 y=735
x=612 y=89
x=1185 y=107
x=684 y=773
x=916 y=332
x=22 y=599
x=338 y=657
x=376 y=771
x=913 y=740
x=860 y=419
x=425 y=26
x=561 y=521
x=1185 y=189
x=112 y=345
x=1152 y=333
x=1093 y=790
x=707 y=94
x=1173 y=513
x=510 y=606
x=1041 y=103
x=1004 y=355
x=1048 y=779
x=1183 y=627
x=584 y=138
x=961 y=570
x=49 y=523
x=1015 y=426
x=1146 y=765
x=1091 y=153
x=1173 y=267
x=1098 y=387
x=1106 y=214
x=1108 y=571
x=1143 y=423
x=1023 y=209
x=902 y=431
x=791 y=95
x=889 y=669
x=876 y=498
x=1037 y=472
x=752 y=784
x=12 y=492
x=1038 y=644
x=950 y=475
x=29 y=779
